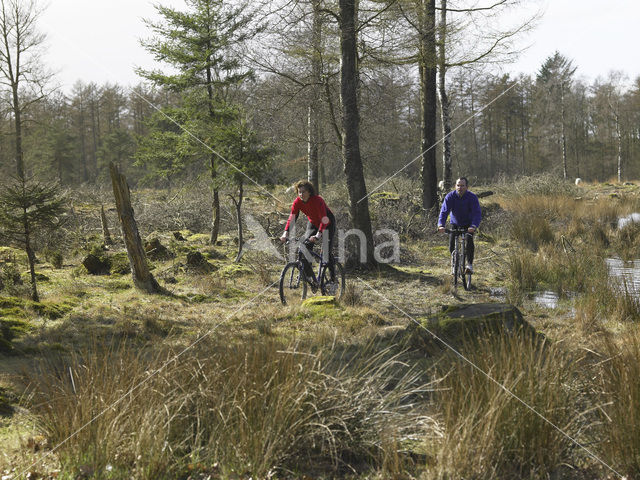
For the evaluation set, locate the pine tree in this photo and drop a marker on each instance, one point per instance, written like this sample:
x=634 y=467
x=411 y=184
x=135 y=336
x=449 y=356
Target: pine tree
x=199 y=45
x=29 y=208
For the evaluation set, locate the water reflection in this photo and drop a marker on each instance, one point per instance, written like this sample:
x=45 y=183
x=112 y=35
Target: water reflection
x=546 y=299
x=624 y=221
x=625 y=272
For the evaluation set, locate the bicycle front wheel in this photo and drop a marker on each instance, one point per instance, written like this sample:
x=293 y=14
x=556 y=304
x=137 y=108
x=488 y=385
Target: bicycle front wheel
x=293 y=287
x=455 y=263
x=465 y=277
x=466 y=281
x=332 y=284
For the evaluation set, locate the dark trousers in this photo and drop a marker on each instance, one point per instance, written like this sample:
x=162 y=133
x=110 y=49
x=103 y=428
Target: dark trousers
x=470 y=245
x=328 y=237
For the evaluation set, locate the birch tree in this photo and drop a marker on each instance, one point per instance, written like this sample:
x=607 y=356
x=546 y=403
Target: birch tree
x=21 y=48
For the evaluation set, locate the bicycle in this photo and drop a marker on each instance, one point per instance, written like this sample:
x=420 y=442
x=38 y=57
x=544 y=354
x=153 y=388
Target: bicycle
x=294 y=283
x=459 y=257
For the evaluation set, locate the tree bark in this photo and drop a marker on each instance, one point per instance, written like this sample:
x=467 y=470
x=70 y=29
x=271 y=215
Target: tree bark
x=358 y=198
x=316 y=91
x=444 y=100
x=238 y=205
x=18 y=131
x=564 y=137
x=215 y=221
x=619 y=142
x=428 y=104
x=142 y=277
x=105 y=227
x=31 y=257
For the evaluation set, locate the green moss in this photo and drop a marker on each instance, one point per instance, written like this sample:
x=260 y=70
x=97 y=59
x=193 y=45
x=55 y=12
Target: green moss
x=198 y=238
x=120 y=263
x=319 y=301
x=441 y=250
x=233 y=270
x=18 y=308
x=200 y=298
x=11 y=327
x=40 y=277
x=322 y=308
x=117 y=285
x=385 y=196
x=52 y=310
x=233 y=293
x=459 y=322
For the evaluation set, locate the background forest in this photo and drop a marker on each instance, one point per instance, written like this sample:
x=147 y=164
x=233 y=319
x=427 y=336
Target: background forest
x=285 y=78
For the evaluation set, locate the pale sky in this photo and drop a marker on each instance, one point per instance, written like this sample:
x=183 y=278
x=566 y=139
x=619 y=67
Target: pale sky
x=98 y=40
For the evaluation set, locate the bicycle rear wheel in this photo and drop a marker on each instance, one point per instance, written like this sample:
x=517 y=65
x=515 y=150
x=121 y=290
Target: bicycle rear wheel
x=293 y=287
x=332 y=286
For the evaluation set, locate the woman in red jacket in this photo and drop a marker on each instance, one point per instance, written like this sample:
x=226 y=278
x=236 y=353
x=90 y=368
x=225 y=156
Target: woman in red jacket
x=321 y=221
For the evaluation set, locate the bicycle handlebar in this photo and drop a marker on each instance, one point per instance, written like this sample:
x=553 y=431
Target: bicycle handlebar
x=457 y=231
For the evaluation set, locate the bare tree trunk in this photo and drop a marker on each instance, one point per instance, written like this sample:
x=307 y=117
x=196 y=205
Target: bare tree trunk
x=619 y=141
x=95 y=130
x=142 y=277
x=444 y=100
x=238 y=205
x=358 y=198
x=564 y=137
x=312 y=150
x=215 y=221
x=18 y=132
x=474 y=127
x=428 y=104
x=31 y=257
x=314 y=106
x=105 y=227
x=522 y=134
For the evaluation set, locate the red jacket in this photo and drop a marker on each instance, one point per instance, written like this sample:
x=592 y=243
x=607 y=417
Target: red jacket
x=315 y=209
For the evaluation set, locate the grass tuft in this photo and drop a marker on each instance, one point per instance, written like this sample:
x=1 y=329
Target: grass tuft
x=487 y=433
x=248 y=410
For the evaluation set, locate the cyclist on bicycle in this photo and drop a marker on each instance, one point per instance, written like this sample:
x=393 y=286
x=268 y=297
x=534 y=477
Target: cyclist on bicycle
x=464 y=208
x=321 y=219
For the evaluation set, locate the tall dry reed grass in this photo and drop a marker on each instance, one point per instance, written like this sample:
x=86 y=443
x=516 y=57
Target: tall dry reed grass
x=243 y=410
x=490 y=435
x=619 y=384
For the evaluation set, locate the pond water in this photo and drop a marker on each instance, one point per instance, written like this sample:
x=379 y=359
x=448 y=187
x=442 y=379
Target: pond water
x=620 y=271
x=624 y=221
x=625 y=272
x=545 y=299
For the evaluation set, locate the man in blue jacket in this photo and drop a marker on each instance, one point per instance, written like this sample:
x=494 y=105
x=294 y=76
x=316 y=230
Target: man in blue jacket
x=464 y=208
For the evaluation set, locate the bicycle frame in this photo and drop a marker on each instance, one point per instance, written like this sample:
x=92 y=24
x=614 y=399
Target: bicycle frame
x=314 y=255
x=329 y=279
x=459 y=257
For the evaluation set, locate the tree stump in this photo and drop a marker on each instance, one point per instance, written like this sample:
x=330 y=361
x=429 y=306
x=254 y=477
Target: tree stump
x=142 y=277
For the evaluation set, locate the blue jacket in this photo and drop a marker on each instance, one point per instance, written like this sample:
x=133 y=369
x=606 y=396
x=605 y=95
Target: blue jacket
x=465 y=211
